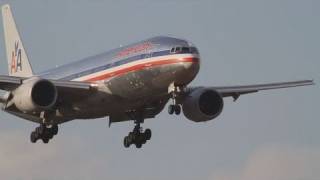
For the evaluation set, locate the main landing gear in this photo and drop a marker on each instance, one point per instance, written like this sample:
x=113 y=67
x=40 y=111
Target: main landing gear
x=137 y=136
x=44 y=133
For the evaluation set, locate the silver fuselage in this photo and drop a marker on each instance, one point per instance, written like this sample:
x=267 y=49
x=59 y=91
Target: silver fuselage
x=137 y=76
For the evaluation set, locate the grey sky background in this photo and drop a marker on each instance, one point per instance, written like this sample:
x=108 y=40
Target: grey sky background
x=268 y=135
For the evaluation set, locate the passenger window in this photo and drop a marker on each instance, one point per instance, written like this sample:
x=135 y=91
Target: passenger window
x=178 y=49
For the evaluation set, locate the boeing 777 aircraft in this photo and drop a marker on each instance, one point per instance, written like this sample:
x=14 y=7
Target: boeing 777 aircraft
x=133 y=82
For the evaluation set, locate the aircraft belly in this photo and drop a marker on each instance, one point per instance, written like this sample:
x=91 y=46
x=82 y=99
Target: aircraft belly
x=95 y=106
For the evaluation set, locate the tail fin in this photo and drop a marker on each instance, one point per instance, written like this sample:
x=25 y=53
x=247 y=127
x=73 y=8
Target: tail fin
x=18 y=63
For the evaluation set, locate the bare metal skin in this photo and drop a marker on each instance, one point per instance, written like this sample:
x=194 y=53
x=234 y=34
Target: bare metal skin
x=134 y=82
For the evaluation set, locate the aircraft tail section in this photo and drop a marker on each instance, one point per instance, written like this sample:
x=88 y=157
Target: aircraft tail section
x=18 y=63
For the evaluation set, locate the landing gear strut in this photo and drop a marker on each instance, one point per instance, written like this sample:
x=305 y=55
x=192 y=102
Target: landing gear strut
x=44 y=133
x=137 y=136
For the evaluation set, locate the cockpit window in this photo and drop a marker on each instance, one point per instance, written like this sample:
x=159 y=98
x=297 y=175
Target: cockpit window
x=185 y=50
x=194 y=50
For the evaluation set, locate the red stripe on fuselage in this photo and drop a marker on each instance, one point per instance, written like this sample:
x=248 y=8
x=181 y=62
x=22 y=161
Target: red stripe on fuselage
x=140 y=67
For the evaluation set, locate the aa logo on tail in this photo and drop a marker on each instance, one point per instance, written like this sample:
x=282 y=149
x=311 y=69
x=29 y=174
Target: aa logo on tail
x=16 y=63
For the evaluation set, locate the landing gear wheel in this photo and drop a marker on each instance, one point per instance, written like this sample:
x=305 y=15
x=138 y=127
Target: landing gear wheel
x=50 y=134
x=171 y=109
x=177 y=109
x=130 y=137
x=54 y=129
x=147 y=134
x=40 y=129
x=45 y=140
x=44 y=133
x=33 y=137
x=138 y=145
x=126 y=142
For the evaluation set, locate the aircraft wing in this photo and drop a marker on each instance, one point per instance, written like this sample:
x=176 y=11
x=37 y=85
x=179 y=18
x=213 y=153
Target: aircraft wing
x=236 y=91
x=74 y=90
x=9 y=83
x=66 y=89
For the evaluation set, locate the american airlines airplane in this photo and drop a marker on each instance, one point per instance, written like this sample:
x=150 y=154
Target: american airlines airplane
x=133 y=82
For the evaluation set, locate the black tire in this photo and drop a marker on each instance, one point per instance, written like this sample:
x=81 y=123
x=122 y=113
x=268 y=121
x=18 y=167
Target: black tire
x=49 y=135
x=171 y=109
x=37 y=130
x=138 y=145
x=33 y=137
x=45 y=140
x=143 y=141
x=126 y=142
x=41 y=129
x=131 y=137
x=147 y=134
x=177 y=109
x=54 y=129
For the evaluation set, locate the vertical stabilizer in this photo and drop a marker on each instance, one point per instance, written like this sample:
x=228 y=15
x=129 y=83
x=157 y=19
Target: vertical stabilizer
x=18 y=63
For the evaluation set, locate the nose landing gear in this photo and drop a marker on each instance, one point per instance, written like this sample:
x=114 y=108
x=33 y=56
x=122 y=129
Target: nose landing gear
x=175 y=91
x=174 y=108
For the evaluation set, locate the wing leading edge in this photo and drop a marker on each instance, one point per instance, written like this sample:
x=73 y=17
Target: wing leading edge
x=236 y=91
x=68 y=89
x=9 y=83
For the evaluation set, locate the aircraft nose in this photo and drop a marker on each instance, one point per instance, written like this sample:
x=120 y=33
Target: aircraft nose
x=187 y=70
x=193 y=63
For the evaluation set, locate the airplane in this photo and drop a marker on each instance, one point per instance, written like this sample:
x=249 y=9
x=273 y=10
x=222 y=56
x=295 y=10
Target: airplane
x=130 y=83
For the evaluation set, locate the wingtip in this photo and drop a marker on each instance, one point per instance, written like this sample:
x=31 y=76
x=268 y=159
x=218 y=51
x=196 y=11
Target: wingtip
x=310 y=82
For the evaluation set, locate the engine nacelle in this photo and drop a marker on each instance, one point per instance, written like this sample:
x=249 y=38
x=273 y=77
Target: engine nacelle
x=202 y=105
x=35 y=95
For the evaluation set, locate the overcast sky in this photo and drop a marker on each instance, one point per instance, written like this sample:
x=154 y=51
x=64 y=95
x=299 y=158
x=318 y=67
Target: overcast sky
x=270 y=135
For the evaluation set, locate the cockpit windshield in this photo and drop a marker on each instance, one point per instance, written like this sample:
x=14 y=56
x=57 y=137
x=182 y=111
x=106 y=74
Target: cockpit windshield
x=192 y=50
x=185 y=50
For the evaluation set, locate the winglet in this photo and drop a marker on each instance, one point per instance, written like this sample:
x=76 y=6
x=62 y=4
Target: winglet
x=18 y=63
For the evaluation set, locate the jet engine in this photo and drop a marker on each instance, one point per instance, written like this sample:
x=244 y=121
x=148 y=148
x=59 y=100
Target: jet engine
x=202 y=104
x=35 y=95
